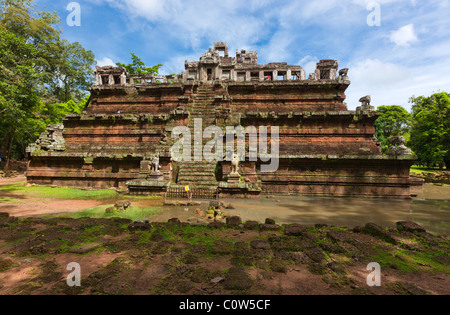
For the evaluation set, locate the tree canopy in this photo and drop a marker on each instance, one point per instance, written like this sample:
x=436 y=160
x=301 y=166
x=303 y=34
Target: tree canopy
x=430 y=130
x=137 y=66
x=393 y=121
x=42 y=76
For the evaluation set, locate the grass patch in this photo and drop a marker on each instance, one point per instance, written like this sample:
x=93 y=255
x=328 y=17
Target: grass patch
x=58 y=192
x=133 y=213
x=410 y=261
x=149 y=197
x=420 y=169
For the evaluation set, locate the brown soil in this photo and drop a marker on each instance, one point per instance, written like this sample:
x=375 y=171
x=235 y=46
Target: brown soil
x=29 y=206
x=120 y=257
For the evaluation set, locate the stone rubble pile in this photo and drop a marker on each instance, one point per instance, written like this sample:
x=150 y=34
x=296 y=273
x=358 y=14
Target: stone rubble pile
x=51 y=139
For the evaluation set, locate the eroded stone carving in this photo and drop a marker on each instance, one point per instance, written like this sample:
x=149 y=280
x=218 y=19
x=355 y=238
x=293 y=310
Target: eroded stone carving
x=154 y=166
x=343 y=72
x=235 y=164
x=398 y=146
x=365 y=104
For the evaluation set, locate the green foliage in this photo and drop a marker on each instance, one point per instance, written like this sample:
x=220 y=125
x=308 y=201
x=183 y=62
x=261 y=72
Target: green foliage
x=393 y=121
x=430 y=131
x=137 y=66
x=57 y=192
x=42 y=76
x=132 y=213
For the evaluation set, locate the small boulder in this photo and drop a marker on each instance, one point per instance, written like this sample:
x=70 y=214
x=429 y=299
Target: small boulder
x=234 y=221
x=216 y=225
x=409 y=227
x=174 y=220
x=237 y=279
x=269 y=221
x=269 y=227
x=122 y=205
x=260 y=244
x=251 y=225
x=294 y=230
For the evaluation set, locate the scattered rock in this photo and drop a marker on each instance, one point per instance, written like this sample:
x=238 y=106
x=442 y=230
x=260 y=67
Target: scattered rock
x=199 y=212
x=339 y=237
x=409 y=227
x=221 y=248
x=278 y=265
x=110 y=210
x=217 y=280
x=85 y=248
x=269 y=221
x=408 y=288
x=260 y=244
x=234 y=221
x=216 y=225
x=294 y=230
x=269 y=227
x=122 y=205
x=337 y=267
x=139 y=226
x=316 y=254
x=251 y=225
x=237 y=279
x=216 y=204
x=377 y=231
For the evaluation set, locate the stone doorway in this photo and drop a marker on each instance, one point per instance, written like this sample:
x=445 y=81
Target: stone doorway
x=209 y=76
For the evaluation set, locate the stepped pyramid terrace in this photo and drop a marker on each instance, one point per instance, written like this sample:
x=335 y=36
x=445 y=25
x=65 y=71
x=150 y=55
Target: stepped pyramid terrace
x=126 y=136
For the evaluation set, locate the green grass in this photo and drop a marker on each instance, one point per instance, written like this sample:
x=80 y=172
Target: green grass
x=132 y=213
x=149 y=197
x=420 y=169
x=410 y=261
x=58 y=192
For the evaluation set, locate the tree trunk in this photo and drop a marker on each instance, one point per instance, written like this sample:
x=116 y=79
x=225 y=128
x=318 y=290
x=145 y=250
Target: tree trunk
x=8 y=157
x=5 y=144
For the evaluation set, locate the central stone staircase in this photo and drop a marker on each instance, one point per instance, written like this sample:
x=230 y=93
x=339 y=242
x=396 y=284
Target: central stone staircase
x=200 y=174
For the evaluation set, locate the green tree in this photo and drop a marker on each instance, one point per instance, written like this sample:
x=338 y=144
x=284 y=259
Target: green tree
x=137 y=66
x=42 y=76
x=393 y=121
x=430 y=131
x=72 y=72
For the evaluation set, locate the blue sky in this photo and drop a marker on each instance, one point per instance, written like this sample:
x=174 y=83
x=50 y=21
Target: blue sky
x=408 y=54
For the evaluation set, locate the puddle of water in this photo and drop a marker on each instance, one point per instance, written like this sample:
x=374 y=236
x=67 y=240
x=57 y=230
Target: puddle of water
x=434 y=215
x=431 y=209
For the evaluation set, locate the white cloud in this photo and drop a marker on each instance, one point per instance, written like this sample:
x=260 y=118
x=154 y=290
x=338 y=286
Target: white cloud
x=404 y=36
x=394 y=84
x=309 y=64
x=105 y=61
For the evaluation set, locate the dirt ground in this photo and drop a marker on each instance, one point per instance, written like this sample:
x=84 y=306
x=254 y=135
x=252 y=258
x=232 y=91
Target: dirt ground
x=118 y=256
